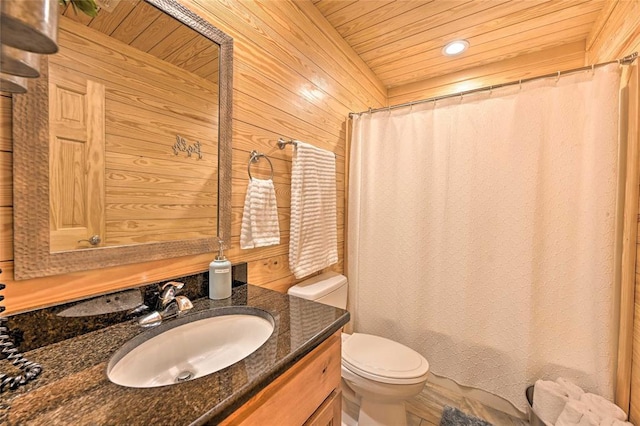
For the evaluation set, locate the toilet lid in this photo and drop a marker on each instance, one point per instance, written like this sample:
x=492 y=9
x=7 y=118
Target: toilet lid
x=383 y=360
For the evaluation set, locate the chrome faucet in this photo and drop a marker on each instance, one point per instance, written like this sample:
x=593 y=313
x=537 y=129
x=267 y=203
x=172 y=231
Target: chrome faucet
x=169 y=305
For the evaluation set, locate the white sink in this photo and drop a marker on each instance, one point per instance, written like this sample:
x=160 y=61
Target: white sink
x=190 y=347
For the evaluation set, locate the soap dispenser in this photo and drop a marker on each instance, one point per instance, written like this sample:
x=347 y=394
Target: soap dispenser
x=220 y=276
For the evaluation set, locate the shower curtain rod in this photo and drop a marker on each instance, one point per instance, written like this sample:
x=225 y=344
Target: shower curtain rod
x=624 y=61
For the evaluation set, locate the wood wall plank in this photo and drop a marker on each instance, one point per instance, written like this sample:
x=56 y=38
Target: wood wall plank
x=6 y=138
x=616 y=34
x=619 y=35
x=6 y=231
x=282 y=88
x=372 y=12
x=6 y=179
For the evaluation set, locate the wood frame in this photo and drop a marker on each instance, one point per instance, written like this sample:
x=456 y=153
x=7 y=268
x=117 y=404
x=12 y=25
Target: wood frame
x=629 y=131
x=32 y=254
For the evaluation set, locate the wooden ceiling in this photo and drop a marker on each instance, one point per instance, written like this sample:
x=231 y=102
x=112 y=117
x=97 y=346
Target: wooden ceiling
x=138 y=24
x=401 y=40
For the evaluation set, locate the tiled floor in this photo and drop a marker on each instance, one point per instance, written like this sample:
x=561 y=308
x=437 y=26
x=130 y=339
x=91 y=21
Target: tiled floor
x=426 y=408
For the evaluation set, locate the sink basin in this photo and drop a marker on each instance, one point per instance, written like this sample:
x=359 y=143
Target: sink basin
x=190 y=347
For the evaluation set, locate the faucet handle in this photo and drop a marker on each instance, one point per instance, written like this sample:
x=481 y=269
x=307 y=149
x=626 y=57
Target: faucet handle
x=176 y=284
x=168 y=292
x=184 y=304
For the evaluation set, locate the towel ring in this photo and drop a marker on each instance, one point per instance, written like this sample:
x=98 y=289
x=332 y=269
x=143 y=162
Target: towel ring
x=255 y=157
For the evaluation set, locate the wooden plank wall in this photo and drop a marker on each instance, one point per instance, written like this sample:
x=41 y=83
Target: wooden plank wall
x=139 y=153
x=293 y=77
x=616 y=34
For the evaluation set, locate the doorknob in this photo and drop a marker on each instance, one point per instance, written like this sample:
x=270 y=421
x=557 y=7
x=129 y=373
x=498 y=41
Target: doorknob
x=94 y=240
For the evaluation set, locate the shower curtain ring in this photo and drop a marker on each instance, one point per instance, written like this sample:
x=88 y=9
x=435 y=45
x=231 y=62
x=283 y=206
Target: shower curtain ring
x=593 y=70
x=558 y=77
x=520 y=82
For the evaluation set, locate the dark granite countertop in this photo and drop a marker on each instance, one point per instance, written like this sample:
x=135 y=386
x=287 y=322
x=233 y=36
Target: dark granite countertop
x=74 y=389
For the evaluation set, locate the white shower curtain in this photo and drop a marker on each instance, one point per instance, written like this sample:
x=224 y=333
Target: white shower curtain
x=481 y=232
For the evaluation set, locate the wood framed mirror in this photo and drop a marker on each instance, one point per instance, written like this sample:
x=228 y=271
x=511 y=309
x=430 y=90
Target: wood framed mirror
x=125 y=138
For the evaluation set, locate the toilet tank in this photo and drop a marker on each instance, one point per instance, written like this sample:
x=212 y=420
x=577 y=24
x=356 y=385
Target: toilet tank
x=329 y=288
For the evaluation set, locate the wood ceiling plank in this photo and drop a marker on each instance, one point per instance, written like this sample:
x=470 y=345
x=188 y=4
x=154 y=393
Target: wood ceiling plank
x=561 y=58
x=355 y=11
x=106 y=22
x=328 y=7
x=416 y=21
x=156 y=32
x=204 y=62
x=77 y=15
x=379 y=15
x=528 y=70
x=208 y=73
x=496 y=22
x=173 y=41
x=192 y=48
x=427 y=69
x=136 y=22
x=485 y=38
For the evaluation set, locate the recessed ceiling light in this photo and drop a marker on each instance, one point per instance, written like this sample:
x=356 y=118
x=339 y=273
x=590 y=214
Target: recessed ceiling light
x=455 y=47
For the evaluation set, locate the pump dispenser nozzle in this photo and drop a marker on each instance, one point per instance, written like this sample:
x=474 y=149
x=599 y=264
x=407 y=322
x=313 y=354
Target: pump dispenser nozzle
x=220 y=255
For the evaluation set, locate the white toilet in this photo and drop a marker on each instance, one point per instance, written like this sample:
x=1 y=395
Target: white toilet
x=382 y=373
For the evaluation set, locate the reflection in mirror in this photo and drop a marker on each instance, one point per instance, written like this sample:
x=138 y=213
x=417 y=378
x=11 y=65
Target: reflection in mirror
x=135 y=117
x=133 y=132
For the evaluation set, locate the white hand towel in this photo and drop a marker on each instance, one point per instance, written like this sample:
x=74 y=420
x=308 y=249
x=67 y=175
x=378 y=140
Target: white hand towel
x=574 y=391
x=313 y=244
x=576 y=413
x=549 y=399
x=602 y=407
x=260 y=216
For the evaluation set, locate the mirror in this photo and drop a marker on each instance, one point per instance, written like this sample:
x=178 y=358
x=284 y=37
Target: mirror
x=122 y=148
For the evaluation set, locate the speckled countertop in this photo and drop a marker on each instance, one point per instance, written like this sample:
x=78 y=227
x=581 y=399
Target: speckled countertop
x=74 y=389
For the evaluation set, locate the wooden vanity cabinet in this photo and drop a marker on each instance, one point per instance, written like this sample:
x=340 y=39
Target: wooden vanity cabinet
x=306 y=394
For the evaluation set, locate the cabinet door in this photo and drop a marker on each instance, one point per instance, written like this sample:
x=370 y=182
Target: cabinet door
x=329 y=413
x=294 y=397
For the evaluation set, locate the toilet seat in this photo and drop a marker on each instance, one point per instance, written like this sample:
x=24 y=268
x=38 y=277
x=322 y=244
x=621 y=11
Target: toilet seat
x=383 y=360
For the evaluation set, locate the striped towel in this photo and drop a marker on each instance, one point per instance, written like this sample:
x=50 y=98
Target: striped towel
x=260 y=216
x=314 y=242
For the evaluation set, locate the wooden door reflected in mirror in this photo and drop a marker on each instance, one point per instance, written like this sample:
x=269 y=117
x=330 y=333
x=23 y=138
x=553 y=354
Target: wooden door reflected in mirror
x=132 y=144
